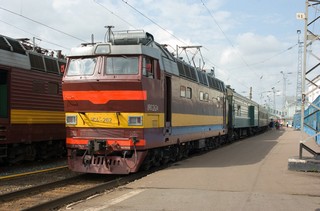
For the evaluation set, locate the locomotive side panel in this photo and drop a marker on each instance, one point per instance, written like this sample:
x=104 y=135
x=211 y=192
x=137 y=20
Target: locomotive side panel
x=198 y=114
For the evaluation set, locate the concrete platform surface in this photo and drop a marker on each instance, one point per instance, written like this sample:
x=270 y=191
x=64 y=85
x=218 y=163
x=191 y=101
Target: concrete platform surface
x=251 y=174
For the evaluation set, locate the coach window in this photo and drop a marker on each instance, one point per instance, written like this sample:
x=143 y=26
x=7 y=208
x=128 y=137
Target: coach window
x=147 y=67
x=182 y=91
x=238 y=110
x=189 y=93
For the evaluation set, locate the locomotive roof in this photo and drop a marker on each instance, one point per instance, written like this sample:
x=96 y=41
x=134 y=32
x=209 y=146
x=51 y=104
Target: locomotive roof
x=140 y=42
x=109 y=48
x=14 y=53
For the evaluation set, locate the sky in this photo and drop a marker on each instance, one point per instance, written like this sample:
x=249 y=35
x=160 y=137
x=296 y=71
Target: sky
x=249 y=43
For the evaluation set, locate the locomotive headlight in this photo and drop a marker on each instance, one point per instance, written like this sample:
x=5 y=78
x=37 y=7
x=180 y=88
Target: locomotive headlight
x=71 y=119
x=135 y=120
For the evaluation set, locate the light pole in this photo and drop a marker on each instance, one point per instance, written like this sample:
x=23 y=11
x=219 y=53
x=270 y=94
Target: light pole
x=274 y=98
x=285 y=76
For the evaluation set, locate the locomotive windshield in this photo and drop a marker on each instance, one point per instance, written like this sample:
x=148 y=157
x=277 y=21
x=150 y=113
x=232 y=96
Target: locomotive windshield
x=82 y=66
x=121 y=65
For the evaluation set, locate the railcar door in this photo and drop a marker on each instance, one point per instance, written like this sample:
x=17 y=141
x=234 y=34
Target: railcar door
x=251 y=115
x=225 y=111
x=168 y=111
x=4 y=94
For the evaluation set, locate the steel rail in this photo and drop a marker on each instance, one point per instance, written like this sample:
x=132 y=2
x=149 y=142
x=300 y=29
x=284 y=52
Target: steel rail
x=60 y=202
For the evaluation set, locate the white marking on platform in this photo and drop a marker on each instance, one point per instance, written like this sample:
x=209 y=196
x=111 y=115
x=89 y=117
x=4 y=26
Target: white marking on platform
x=116 y=200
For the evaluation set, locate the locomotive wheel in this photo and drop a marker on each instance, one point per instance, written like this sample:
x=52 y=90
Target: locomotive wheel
x=157 y=157
x=166 y=157
x=147 y=163
x=30 y=153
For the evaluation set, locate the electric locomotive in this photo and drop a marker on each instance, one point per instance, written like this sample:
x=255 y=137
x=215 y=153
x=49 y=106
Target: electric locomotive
x=31 y=107
x=130 y=104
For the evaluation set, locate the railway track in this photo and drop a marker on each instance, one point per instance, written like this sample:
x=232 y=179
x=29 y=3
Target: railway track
x=57 y=194
x=54 y=195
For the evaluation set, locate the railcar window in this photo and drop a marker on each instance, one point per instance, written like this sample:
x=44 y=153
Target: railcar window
x=38 y=86
x=81 y=66
x=238 y=110
x=206 y=97
x=201 y=96
x=182 y=91
x=121 y=65
x=53 y=88
x=189 y=93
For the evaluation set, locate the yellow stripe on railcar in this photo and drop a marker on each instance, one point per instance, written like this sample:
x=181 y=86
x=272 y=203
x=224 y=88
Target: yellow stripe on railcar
x=19 y=116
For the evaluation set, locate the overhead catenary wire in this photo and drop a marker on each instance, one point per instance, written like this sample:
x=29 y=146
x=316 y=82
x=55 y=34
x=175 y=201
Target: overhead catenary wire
x=237 y=51
x=35 y=35
x=224 y=34
x=154 y=22
x=230 y=42
x=45 y=25
x=126 y=2
x=101 y=5
x=269 y=58
x=174 y=36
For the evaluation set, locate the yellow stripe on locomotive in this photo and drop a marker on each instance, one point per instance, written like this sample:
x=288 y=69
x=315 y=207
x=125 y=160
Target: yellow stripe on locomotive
x=114 y=120
x=137 y=120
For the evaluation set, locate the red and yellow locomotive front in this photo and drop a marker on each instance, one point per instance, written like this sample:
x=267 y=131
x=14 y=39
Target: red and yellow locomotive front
x=113 y=104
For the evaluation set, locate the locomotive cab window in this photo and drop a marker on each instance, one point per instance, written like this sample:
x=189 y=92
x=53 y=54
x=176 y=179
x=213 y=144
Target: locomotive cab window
x=81 y=66
x=147 y=67
x=121 y=65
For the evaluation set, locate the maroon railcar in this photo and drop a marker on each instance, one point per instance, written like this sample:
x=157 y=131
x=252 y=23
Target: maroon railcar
x=31 y=107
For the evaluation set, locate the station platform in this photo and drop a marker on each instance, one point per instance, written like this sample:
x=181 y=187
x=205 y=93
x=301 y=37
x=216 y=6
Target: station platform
x=308 y=158
x=251 y=174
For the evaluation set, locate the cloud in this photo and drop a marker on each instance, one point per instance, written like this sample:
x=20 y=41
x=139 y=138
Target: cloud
x=238 y=39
